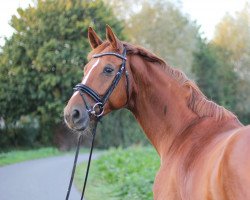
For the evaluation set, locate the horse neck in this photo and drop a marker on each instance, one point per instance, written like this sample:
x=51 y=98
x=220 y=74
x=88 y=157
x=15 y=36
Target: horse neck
x=158 y=103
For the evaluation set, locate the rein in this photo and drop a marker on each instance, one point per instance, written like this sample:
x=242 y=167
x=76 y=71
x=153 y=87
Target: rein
x=97 y=110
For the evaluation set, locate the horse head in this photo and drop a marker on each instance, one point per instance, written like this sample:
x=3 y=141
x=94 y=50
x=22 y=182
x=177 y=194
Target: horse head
x=105 y=84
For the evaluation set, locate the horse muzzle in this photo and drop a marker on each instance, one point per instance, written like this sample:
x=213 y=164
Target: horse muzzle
x=77 y=118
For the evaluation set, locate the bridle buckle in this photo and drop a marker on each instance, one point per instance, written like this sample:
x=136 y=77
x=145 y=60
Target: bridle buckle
x=99 y=106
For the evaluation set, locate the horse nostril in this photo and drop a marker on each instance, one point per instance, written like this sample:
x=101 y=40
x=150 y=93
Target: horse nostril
x=75 y=115
x=77 y=118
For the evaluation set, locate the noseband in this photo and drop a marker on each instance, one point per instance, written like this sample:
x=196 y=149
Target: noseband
x=98 y=109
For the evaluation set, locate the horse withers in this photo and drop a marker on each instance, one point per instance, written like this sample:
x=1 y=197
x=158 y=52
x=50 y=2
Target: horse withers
x=204 y=149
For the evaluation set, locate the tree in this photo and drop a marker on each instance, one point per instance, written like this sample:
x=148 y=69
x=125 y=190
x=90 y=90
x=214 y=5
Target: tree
x=233 y=35
x=161 y=27
x=215 y=74
x=43 y=60
x=124 y=9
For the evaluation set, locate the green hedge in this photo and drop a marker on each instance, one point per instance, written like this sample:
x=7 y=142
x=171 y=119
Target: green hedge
x=121 y=174
x=119 y=128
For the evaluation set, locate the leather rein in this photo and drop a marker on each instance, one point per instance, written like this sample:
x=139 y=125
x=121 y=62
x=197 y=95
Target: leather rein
x=97 y=110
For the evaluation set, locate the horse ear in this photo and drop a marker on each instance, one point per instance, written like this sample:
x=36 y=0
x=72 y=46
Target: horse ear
x=94 y=39
x=111 y=37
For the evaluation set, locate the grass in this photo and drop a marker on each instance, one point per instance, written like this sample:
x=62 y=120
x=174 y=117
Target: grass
x=23 y=155
x=16 y=156
x=121 y=174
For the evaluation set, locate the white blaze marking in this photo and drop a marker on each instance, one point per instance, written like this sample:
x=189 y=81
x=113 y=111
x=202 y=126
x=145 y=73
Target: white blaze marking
x=87 y=75
x=75 y=93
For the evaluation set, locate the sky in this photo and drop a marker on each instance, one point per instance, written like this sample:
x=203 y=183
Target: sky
x=207 y=13
x=7 y=9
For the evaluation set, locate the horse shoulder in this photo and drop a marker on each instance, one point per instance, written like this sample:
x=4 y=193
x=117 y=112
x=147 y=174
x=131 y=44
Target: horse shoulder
x=235 y=165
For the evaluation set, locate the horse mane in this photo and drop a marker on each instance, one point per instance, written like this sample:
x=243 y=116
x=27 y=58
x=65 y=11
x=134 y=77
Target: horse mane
x=197 y=101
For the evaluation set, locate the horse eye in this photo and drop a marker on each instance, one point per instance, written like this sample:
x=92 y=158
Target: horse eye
x=108 y=70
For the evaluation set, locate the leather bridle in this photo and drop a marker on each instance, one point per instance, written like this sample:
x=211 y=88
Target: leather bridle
x=98 y=109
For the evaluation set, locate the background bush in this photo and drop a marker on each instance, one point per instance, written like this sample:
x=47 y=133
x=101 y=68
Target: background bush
x=121 y=174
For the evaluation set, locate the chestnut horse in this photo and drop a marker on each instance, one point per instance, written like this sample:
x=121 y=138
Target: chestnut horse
x=204 y=149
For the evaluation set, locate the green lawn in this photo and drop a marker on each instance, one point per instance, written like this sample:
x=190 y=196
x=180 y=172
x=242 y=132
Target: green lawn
x=23 y=155
x=121 y=174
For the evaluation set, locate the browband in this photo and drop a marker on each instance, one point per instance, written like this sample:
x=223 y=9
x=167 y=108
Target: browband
x=111 y=54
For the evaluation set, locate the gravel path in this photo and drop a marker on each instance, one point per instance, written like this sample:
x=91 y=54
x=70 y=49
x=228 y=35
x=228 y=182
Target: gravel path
x=42 y=179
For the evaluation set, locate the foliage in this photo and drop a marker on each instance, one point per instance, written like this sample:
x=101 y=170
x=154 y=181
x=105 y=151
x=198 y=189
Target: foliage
x=233 y=35
x=236 y=29
x=23 y=155
x=121 y=174
x=218 y=79
x=42 y=61
x=119 y=129
x=166 y=31
x=124 y=9
x=22 y=133
x=215 y=75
